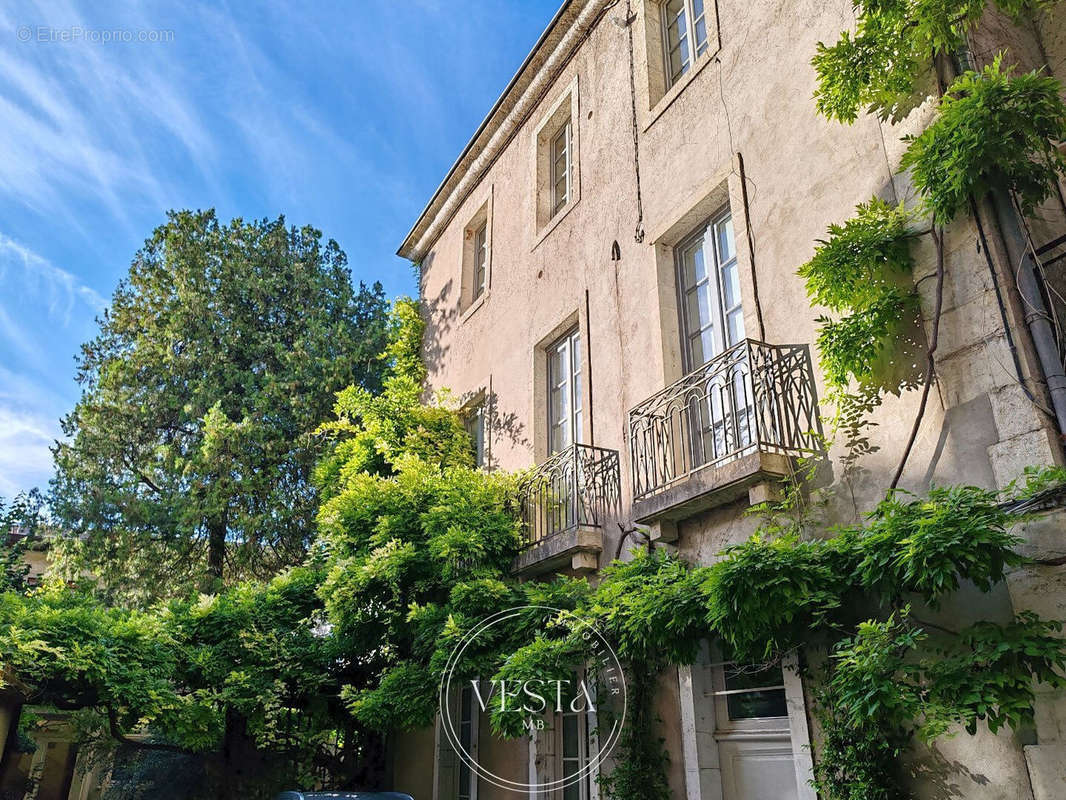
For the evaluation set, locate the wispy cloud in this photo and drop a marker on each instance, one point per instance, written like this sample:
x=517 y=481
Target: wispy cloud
x=25 y=459
x=24 y=273
x=345 y=120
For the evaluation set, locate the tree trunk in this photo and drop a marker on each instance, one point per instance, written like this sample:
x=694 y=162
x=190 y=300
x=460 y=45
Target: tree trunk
x=216 y=553
x=370 y=772
x=240 y=769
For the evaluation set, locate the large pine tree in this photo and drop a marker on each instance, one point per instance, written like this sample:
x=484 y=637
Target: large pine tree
x=188 y=458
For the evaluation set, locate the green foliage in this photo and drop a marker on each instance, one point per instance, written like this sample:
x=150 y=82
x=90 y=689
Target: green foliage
x=190 y=452
x=405 y=697
x=20 y=528
x=890 y=674
x=766 y=596
x=200 y=674
x=850 y=268
x=650 y=610
x=996 y=130
x=861 y=271
x=640 y=770
x=853 y=346
x=885 y=66
x=418 y=542
x=927 y=546
x=858 y=759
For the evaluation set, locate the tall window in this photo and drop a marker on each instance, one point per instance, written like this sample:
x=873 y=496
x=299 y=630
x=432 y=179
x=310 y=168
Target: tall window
x=574 y=747
x=712 y=320
x=564 y=391
x=467 y=789
x=474 y=421
x=560 y=168
x=685 y=34
x=712 y=317
x=481 y=259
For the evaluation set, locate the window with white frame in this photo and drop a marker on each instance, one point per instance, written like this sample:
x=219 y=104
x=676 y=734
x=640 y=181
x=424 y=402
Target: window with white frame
x=573 y=747
x=753 y=732
x=477 y=256
x=684 y=25
x=712 y=321
x=481 y=259
x=474 y=422
x=712 y=318
x=466 y=780
x=560 y=168
x=564 y=391
x=555 y=144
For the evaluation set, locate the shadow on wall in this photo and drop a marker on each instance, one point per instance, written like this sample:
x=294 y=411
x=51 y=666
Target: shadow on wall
x=440 y=313
x=504 y=425
x=936 y=776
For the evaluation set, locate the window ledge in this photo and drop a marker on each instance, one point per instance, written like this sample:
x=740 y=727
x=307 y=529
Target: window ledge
x=473 y=307
x=553 y=223
x=672 y=93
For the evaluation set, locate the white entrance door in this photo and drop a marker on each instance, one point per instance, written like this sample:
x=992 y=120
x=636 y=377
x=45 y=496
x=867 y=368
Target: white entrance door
x=752 y=729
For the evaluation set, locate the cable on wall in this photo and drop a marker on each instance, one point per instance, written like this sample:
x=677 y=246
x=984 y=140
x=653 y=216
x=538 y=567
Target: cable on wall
x=751 y=245
x=638 y=233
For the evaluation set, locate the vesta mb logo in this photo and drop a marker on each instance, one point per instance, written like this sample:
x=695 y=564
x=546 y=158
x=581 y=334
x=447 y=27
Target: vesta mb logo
x=596 y=690
x=535 y=696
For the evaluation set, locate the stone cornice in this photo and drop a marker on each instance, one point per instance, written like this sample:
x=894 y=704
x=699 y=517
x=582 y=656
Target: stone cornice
x=534 y=78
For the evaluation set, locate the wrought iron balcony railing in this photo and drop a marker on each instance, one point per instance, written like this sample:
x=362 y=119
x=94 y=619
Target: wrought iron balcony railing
x=578 y=486
x=752 y=397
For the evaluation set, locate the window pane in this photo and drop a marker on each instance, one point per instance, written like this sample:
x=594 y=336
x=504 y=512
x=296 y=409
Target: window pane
x=761 y=694
x=694 y=268
x=700 y=26
x=726 y=245
x=559 y=440
x=675 y=26
x=475 y=426
x=557 y=357
x=757 y=705
x=570 y=736
x=735 y=326
x=560 y=405
x=480 y=259
x=698 y=309
x=464 y=781
x=560 y=168
x=564 y=392
x=701 y=347
x=730 y=285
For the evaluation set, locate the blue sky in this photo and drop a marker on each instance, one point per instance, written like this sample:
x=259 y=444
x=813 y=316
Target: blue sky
x=342 y=115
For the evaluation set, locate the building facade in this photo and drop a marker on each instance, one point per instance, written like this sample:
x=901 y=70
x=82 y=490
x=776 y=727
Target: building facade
x=608 y=274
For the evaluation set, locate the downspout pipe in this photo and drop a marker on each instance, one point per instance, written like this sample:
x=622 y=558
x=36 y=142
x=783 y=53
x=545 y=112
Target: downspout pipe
x=1037 y=317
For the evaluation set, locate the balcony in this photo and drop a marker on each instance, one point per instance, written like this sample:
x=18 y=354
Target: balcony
x=566 y=502
x=731 y=425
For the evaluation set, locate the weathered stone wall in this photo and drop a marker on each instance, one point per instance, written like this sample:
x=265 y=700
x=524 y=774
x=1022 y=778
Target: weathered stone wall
x=753 y=96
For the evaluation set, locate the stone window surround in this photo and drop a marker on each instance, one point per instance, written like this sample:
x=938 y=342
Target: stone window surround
x=565 y=106
x=575 y=320
x=468 y=303
x=654 y=93
x=471 y=403
x=721 y=190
